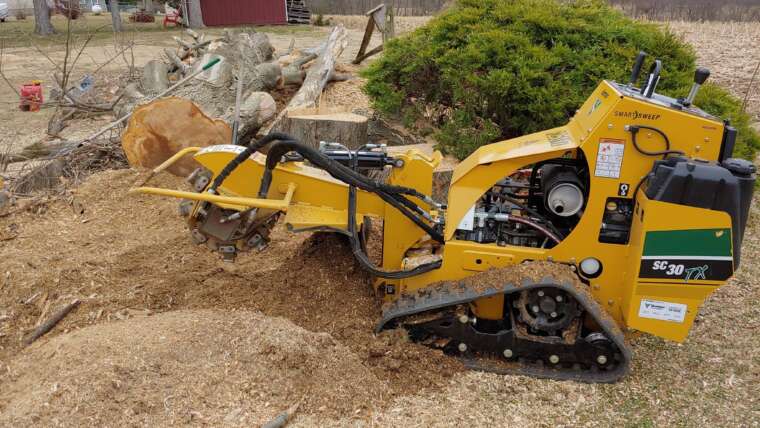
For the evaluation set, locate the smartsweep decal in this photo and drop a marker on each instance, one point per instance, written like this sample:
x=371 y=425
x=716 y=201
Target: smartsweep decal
x=637 y=115
x=687 y=255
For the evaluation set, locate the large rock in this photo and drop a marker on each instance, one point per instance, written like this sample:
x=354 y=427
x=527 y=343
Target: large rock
x=159 y=129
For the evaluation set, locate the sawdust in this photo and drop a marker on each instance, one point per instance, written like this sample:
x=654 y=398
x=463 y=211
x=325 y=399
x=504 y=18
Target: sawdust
x=349 y=93
x=126 y=256
x=206 y=366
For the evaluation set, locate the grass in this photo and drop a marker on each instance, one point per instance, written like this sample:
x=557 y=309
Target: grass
x=21 y=33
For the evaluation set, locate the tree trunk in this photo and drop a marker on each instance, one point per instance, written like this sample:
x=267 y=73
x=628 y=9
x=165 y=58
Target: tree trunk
x=115 y=15
x=311 y=126
x=195 y=15
x=149 y=6
x=318 y=75
x=42 y=24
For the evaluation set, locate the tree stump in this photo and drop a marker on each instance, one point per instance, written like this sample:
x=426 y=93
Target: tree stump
x=310 y=127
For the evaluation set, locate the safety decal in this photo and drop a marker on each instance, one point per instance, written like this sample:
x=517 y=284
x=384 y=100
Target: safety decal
x=597 y=104
x=468 y=221
x=664 y=311
x=623 y=189
x=687 y=255
x=557 y=139
x=609 y=159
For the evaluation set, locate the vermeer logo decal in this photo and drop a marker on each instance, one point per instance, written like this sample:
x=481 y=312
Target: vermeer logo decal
x=637 y=115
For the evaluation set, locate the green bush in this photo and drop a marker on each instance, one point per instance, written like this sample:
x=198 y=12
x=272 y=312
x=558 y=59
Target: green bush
x=510 y=67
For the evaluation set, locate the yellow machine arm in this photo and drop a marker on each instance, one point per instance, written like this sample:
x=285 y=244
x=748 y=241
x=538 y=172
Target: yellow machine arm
x=310 y=198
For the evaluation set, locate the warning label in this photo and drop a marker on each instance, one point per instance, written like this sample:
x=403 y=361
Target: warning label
x=610 y=158
x=665 y=311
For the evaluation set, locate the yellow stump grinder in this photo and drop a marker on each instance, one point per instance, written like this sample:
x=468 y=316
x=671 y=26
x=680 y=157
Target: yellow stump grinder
x=549 y=246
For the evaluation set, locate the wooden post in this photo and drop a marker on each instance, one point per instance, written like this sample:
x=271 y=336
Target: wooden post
x=377 y=18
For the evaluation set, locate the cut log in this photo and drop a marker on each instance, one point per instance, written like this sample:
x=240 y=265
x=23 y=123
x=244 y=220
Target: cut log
x=256 y=109
x=264 y=77
x=310 y=127
x=177 y=61
x=318 y=75
x=292 y=74
x=159 y=129
x=218 y=76
x=155 y=76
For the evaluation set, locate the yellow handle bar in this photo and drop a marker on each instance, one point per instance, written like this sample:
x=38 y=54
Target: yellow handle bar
x=233 y=202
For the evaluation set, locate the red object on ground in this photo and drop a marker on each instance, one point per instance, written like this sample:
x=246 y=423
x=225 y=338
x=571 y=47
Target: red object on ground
x=31 y=96
x=172 y=18
x=236 y=12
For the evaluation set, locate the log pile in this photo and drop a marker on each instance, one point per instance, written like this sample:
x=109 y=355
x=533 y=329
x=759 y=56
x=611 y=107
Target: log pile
x=275 y=91
x=250 y=74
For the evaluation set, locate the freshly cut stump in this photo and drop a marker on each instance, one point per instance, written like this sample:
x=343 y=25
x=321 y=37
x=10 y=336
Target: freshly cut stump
x=310 y=127
x=213 y=367
x=158 y=130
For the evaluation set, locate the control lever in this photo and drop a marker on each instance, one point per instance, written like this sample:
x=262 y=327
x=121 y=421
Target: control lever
x=653 y=79
x=637 y=64
x=700 y=76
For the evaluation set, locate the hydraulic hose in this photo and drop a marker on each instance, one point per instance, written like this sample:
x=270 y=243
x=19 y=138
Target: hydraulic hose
x=534 y=213
x=253 y=147
x=390 y=194
x=536 y=226
x=361 y=255
x=393 y=195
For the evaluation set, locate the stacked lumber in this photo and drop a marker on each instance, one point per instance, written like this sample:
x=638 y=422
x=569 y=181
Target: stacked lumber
x=298 y=13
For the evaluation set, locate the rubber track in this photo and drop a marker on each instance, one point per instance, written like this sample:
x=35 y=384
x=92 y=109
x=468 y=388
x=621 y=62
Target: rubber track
x=454 y=293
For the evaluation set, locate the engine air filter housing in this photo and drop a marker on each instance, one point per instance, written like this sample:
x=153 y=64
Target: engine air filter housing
x=563 y=190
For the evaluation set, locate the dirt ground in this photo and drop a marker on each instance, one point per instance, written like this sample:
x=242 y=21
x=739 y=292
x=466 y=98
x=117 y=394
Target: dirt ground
x=168 y=334
x=731 y=52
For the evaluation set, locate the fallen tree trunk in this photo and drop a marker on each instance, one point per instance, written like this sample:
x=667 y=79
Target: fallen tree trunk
x=40 y=149
x=317 y=76
x=73 y=160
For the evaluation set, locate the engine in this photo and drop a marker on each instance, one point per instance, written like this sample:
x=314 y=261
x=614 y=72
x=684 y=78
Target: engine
x=535 y=207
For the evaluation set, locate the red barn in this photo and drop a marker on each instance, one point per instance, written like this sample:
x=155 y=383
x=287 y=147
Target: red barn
x=244 y=12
